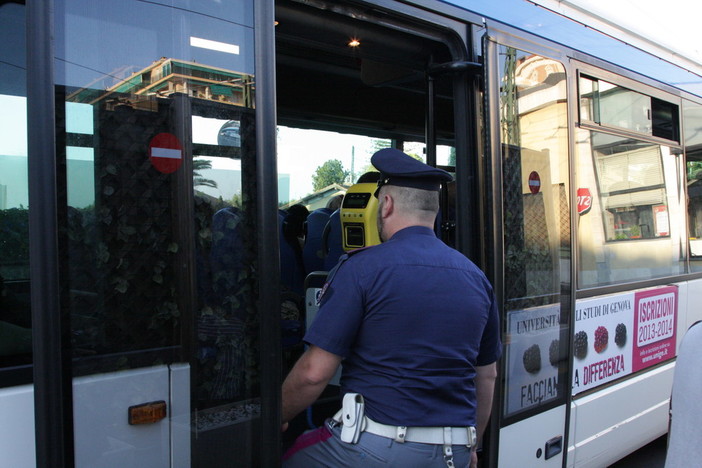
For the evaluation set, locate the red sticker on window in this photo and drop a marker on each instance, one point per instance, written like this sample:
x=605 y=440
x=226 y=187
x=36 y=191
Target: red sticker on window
x=584 y=200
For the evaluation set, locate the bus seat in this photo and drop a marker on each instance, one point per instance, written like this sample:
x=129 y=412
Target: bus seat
x=292 y=271
x=312 y=254
x=332 y=241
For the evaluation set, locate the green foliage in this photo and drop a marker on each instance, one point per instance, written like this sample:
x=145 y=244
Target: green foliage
x=14 y=235
x=236 y=200
x=331 y=172
x=635 y=230
x=198 y=179
x=694 y=170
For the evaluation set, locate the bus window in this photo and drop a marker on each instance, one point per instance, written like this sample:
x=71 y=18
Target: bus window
x=15 y=314
x=610 y=105
x=692 y=114
x=626 y=197
x=632 y=188
x=536 y=229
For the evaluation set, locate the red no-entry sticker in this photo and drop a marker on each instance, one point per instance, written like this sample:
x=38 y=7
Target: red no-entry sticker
x=166 y=152
x=534 y=182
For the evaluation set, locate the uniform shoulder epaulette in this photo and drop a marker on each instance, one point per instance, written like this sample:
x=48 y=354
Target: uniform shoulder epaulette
x=343 y=259
x=333 y=271
x=360 y=249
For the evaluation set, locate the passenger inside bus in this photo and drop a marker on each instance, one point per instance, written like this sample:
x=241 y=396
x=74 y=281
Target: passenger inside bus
x=221 y=332
x=312 y=253
x=292 y=274
x=292 y=238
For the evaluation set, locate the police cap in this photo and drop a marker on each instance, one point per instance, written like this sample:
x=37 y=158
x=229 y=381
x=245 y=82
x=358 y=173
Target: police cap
x=397 y=168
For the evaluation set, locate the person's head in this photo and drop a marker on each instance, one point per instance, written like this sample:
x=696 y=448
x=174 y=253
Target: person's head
x=408 y=191
x=294 y=224
x=334 y=202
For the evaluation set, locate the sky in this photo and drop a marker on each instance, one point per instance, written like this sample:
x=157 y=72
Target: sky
x=672 y=24
x=667 y=29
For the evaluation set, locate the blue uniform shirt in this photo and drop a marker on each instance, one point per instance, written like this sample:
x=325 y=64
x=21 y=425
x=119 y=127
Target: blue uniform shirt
x=412 y=318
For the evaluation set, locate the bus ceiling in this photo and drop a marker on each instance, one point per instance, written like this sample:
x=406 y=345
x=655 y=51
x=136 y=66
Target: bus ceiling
x=375 y=87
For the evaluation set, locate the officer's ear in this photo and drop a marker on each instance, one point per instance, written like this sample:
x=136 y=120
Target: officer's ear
x=386 y=204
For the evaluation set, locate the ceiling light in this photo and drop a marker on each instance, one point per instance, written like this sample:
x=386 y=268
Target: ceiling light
x=354 y=42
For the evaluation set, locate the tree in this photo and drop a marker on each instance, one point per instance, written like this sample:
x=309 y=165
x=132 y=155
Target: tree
x=198 y=179
x=331 y=172
x=694 y=170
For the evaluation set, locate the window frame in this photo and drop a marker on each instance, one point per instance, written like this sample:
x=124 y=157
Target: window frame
x=631 y=85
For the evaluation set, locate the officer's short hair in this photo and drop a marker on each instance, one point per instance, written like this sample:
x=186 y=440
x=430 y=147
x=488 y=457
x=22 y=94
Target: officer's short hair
x=412 y=200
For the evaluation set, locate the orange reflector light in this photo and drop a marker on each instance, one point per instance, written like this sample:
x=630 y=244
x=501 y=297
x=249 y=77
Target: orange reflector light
x=147 y=413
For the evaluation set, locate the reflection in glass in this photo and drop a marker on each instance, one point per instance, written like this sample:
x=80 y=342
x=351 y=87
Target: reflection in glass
x=15 y=312
x=632 y=185
x=614 y=106
x=608 y=104
x=692 y=113
x=156 y=131
x=536 y=227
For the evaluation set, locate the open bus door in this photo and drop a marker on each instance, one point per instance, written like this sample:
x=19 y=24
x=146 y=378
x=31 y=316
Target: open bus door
x=527 y=114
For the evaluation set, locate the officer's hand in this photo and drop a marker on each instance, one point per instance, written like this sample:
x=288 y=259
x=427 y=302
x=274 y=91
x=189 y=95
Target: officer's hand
x=473 y=459
x=284 y=427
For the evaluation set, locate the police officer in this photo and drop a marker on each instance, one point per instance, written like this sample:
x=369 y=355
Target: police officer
x=416 y=325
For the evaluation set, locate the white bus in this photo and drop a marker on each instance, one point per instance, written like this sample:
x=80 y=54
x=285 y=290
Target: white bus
x=168 y=169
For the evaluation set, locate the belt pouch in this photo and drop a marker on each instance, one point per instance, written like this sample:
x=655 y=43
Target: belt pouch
x=352 y=417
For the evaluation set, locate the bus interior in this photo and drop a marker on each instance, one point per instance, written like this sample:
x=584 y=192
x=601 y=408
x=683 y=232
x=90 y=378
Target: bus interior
x=380 y=87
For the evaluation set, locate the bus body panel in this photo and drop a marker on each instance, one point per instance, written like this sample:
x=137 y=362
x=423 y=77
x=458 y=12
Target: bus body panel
x=17 y=427
x=523 y=443
x=611 y=423
x=104 y=438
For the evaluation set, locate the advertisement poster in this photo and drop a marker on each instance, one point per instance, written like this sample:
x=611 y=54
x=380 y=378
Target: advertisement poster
x=622 y=333
x=532 y=356
x=655 y=322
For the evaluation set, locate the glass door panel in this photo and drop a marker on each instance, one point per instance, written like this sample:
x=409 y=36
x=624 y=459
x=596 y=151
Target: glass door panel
x=536 y=219
x=155 y=128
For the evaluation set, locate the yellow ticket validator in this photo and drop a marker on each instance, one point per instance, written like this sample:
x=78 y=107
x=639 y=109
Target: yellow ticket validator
x=359 y=226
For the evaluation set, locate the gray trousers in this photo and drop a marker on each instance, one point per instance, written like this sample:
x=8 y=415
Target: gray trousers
x=323 y=448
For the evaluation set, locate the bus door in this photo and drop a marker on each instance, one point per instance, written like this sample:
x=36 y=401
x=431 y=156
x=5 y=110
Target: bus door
x=158 y=239
x=179 y=222
x=527 y=114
